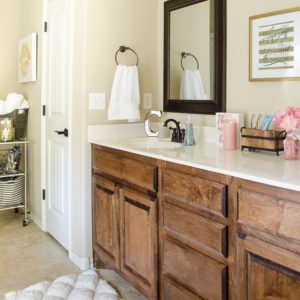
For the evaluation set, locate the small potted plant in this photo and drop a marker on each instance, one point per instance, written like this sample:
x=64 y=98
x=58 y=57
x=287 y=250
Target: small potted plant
x=289 y=120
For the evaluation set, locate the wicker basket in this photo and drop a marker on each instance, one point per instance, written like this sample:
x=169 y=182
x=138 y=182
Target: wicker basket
x=11 y=191
x=268 y=140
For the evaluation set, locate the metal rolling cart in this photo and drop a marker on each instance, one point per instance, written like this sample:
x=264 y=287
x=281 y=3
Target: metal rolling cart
x=13 y=183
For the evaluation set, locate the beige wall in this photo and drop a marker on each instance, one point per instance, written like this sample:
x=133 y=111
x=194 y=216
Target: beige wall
x=10 y=19
x=31 y=20
x=110 y=24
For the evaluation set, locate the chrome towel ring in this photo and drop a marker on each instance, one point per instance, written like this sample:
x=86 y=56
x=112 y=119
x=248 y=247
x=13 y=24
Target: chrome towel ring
x=184 y=55
x=122 y=49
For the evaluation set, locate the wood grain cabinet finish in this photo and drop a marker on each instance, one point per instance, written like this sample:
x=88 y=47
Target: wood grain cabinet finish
x=132 y=169
x=105 y=222
x=177 y=232
x=196 y=192
x=139 y=240
x=195 y=230
x=268 y=213
x=125 y=217
x=266 y=271
x=200 y=274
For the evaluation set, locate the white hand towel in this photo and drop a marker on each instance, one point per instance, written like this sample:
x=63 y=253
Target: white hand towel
x=191 y=86
x=125 y=95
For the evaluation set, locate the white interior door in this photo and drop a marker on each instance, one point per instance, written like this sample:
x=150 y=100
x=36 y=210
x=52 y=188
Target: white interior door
x=58 y=101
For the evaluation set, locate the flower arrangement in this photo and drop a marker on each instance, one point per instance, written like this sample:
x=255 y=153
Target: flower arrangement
x=288 y=119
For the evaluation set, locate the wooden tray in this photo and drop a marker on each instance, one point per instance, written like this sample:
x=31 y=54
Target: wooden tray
x=257 y=139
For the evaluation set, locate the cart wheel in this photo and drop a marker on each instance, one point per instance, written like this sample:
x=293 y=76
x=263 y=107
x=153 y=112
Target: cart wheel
x=16 y=210
x=25 y=222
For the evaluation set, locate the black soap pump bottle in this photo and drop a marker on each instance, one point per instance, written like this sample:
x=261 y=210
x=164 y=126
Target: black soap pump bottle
x=189 y=138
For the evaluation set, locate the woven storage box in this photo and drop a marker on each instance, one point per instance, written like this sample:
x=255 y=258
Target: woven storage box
x=20 y=118
x=268 y=140
x=11 y=191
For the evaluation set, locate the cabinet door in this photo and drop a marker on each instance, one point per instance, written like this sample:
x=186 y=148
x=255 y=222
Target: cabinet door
x=266 y=271
x=139 y=241
x=105 y=222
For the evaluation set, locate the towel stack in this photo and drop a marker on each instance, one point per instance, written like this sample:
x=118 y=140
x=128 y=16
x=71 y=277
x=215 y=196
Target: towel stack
x=13 y=101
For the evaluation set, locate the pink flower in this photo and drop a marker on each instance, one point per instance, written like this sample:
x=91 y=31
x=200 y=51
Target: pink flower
x=288 y=119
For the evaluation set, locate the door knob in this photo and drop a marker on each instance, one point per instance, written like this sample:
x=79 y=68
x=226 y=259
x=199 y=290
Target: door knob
x=65 y=132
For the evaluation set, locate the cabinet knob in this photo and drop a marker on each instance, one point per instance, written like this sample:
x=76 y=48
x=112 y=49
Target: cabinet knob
x=241 y=235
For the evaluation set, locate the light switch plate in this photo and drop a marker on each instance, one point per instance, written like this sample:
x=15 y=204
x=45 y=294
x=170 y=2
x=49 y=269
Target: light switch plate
x=147 y=100
x=97 y=101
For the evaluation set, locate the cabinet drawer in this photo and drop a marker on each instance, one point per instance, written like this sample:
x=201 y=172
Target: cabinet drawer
x=107 y=163
x=139 y=173
x=270 y=214
x=134 y=171
x=173 y=291
x=202 y=275
x=194 y=229
x=196 y=192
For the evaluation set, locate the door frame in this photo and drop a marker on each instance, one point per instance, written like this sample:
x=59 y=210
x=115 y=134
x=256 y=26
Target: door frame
x=44 y=123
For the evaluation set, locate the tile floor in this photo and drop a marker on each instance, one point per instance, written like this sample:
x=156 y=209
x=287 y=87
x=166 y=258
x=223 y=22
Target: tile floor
x=28 y=255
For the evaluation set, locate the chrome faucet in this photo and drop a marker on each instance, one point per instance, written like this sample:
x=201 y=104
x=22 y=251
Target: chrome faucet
x=178 y=133
x=148 y=116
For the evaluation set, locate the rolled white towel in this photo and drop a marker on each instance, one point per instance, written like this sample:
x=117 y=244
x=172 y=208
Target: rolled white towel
x=13 y=101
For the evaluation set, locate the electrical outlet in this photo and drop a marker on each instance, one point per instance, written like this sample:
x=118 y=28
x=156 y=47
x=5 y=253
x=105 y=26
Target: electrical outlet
x=147 y=100
x=97 y=101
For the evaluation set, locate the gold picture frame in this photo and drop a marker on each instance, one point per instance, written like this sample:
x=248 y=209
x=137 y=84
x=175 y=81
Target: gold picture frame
x=274 y=43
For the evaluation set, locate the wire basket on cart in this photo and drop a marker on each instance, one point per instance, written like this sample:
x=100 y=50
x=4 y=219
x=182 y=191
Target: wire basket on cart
x=11 y=191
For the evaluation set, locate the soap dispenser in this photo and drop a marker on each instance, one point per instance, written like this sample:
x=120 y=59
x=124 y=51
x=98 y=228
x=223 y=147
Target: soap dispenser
x=189 y=138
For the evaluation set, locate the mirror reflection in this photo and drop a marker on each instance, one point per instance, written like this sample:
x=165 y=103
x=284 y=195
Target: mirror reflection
x=191 y=52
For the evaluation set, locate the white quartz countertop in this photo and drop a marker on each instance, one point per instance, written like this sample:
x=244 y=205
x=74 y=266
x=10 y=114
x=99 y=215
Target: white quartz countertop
x=263 y=167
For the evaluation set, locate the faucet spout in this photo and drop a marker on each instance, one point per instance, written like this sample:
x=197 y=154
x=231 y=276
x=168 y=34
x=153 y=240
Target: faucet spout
x=178 y=133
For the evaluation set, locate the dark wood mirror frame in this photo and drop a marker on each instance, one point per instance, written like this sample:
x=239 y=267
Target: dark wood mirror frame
x=218 y=103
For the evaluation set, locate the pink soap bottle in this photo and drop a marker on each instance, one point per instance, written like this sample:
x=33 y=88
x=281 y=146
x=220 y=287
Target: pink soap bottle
x=229 y=134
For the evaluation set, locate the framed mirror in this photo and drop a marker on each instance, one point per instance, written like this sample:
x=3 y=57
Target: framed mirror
x=195 y=56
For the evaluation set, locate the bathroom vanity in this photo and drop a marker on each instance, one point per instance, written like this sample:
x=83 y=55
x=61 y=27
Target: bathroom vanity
x=195 y=222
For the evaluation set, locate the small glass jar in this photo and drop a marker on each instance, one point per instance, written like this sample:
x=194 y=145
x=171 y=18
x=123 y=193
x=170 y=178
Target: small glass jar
x=291 y=147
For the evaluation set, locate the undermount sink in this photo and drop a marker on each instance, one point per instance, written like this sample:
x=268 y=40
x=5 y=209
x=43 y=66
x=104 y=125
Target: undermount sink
x=152 y=143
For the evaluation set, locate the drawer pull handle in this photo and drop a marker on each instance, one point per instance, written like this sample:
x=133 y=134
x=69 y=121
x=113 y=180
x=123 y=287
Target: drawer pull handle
x=241 y=235
x=155 y=179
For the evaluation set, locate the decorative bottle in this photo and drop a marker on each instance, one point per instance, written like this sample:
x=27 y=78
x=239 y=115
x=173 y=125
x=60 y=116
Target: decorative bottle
x=189 y=138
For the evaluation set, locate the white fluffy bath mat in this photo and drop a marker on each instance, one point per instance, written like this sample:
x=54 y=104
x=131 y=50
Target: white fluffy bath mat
x=85 y=286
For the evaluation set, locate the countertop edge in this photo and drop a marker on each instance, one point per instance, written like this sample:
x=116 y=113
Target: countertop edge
x=258 y=179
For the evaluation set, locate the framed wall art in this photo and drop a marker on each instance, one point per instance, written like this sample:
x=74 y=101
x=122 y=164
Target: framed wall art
x=27 y=58
x=274 y=46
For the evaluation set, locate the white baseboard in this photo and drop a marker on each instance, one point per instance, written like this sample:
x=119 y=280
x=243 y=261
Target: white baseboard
x=36 y=220
x=82 y=263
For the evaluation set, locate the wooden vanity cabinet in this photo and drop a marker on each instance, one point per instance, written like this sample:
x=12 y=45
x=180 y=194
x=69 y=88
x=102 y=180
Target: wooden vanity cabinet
x=268 y=244
x=177 y=232
x=106 y=222
x=125 y=216
x=194 y=234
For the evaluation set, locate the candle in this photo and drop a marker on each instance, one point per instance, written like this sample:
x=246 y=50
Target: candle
x=229 y=134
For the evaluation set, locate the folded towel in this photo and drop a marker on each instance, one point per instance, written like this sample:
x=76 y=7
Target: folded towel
x=191 y=86
x=125 y=95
